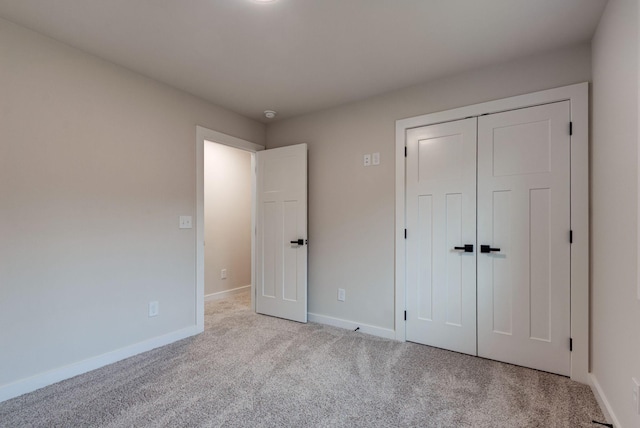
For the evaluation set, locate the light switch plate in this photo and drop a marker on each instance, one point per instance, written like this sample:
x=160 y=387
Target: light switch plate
x=375 y=158
x=185 y=222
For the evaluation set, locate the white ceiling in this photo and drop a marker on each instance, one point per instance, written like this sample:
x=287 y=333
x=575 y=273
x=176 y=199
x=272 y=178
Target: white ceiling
x=299 y=56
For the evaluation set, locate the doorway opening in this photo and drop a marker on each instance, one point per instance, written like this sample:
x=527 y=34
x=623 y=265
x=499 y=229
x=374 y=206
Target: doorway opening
x=227 y=220
x=227 y=156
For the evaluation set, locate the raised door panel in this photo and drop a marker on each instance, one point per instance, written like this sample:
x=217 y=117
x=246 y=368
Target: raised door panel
x=524 y=215
x=441 y=215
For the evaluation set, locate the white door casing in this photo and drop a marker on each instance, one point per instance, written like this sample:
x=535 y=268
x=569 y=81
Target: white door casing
x=524 y=210
x=441 y=215
x=281 y=266
x=202 y=136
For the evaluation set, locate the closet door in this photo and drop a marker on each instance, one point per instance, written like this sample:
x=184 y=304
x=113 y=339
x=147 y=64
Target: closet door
x=441 y=235
x=524 y=226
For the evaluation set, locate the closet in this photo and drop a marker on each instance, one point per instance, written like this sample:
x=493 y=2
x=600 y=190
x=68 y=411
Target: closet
x=488 y=230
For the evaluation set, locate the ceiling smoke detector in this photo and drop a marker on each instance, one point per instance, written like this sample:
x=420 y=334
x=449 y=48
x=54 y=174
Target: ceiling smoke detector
x=270 y=114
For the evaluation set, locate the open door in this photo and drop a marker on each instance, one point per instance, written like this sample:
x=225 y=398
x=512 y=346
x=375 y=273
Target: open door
x=281 y=244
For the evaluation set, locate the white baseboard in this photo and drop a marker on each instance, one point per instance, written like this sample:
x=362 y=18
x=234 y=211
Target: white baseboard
x=351 y=325
x=603 y=402
x=41 y=380
x=226 y=293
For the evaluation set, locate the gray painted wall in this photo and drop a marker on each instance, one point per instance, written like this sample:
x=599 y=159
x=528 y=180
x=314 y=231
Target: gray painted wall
x=351 y=208
x=96 y=165
x=615 y=346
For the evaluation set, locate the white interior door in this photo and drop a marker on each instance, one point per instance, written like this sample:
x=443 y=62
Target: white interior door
x=524 y=219
x=441 y=215
x=281 y=244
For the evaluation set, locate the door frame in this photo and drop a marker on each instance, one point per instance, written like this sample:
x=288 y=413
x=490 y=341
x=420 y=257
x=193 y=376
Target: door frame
x=578 y=96
x=202 y=135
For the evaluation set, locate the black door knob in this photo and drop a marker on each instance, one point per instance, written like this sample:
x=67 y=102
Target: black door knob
x=468 y=248
x=298 y=241
x=488 y=249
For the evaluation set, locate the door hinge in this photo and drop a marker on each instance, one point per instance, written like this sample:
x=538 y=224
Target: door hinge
x=570 y=344
x=571 y=237
x=570 y=128
x=405 y=151
x=405 y=315
x=405 y=234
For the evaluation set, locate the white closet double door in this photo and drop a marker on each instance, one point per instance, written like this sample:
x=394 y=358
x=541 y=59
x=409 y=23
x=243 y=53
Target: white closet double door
x=488 y=223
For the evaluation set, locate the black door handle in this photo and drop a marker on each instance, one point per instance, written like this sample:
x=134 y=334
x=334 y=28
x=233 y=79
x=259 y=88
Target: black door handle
x=298 y=241
x=468 y=248
x=488 y=249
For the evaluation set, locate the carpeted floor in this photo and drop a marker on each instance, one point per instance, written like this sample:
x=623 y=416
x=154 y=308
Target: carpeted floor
x=249 y=370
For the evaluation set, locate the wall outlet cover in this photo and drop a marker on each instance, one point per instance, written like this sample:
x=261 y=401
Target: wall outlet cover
x=367 y=160
x=154 y=308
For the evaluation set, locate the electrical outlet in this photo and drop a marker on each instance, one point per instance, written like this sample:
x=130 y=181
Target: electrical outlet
x=635 y=394
x=154 y=308
x=367 y=160
x=341 y=294
x=223 y=274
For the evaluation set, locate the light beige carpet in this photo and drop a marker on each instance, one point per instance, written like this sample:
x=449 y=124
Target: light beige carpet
x=249 y=370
